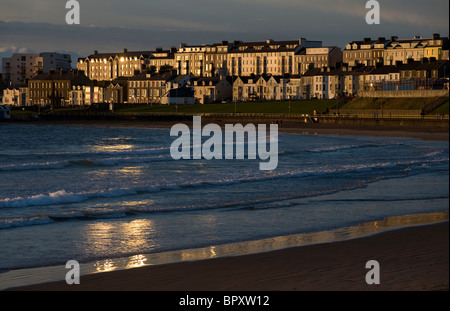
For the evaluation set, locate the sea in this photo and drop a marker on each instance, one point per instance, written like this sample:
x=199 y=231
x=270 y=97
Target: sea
x=112 y=197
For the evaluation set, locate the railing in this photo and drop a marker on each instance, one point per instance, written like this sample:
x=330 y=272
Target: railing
x=385 y=115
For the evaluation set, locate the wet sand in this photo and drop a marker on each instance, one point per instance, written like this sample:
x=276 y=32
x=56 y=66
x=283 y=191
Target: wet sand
x=411 y=259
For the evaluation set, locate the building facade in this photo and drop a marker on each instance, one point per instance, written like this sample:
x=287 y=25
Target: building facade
x=162 y=59
x=267 y=87
x=212 y=89
x=18 y=68
x=389 y=51
x=269 y=57
x=53 y=88
x=110 y=66
x=308 y=58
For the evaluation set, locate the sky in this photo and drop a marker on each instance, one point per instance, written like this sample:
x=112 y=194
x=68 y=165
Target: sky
x=33 y=26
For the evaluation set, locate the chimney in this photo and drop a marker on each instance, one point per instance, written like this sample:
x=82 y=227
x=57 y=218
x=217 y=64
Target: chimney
x=424 y=60
x=394 y=38
x=432 y=59
x=410 y=60
x=125 y=51
x=436 y=36
x=95 y=52
x=382 y=39
x=224 y=42
x=378 y=65
x=182 y=45
x=366 y=40
x=173 y=49
x=159 y=49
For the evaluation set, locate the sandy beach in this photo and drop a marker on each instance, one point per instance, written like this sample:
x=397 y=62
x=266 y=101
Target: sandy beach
x=411 y=259
x=425 y=133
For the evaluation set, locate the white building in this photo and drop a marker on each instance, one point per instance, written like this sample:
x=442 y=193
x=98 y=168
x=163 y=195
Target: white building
x=20 y=67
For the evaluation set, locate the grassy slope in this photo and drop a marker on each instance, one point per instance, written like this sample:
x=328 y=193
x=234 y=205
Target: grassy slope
x=282 y=107
x=444 y=109
x=389 y=103
x=296 y=107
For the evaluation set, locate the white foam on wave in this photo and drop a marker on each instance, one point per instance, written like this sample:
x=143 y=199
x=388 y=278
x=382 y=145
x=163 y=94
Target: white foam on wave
x=63 y=197
x=24 y=221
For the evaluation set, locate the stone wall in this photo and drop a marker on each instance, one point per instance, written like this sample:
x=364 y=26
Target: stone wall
x=411 y=93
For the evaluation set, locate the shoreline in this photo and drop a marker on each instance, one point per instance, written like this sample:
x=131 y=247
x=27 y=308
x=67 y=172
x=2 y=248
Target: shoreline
x=394 y=240
x=290 y=127
x=411 y=259
x=406 y=249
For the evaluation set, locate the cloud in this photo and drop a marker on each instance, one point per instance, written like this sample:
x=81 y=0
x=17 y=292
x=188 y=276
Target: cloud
x=80 y=41
x=111 y=25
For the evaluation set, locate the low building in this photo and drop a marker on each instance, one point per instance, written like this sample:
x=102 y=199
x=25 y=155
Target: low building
x=77 y=96
x=116 y=91
x=212 y=89
x=11 y=96
x=53 y=88
x=329 y=82
x=147 y=88
x=267 y=87
x=179 y=96
x=16 y=96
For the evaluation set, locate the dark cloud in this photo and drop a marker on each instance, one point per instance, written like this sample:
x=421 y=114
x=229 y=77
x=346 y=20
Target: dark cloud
x=112 y=25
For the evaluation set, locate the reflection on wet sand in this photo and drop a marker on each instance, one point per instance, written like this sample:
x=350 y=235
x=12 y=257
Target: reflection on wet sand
x=277 y=243
x=22 y=277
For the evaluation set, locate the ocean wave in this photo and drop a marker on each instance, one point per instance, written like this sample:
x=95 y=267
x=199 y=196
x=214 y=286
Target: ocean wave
x=24 y=222
x=82 y=163
x=49 y=219
x=90 y=153
x=344 y=147
x=63 y=197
